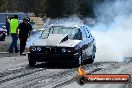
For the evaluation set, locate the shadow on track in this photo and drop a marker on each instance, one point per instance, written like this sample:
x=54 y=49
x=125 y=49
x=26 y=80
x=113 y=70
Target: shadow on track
x=53 y=66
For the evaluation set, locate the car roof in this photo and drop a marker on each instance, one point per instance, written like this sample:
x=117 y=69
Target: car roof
x=64 y=25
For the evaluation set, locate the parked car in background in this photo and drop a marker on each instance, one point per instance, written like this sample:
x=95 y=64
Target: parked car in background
x=62 y=44
x=3 y=32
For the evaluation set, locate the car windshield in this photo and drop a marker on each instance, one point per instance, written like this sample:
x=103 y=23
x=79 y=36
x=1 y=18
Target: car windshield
x=73 y=32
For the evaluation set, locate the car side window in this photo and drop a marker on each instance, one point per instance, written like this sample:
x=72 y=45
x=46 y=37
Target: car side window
x=78 y=35
x=87 y=33
x=90 y=35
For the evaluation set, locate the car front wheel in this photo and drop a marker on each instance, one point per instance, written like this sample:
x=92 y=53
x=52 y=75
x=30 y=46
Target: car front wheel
x=78 y=61
x=32 y=63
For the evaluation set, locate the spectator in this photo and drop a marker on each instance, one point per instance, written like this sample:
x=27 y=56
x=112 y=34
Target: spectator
x=24 y=32
x=13 y=26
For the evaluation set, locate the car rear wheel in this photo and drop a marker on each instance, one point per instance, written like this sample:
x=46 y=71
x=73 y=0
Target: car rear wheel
x=90 y=60
x=92 y=57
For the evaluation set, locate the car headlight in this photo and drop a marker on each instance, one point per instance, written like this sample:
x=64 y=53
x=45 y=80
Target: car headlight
x=38 y=48
x=63 y=50
x=33 y=48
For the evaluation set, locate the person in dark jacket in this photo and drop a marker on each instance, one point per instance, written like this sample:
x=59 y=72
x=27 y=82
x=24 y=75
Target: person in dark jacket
x=7 y=26
x=24 y=32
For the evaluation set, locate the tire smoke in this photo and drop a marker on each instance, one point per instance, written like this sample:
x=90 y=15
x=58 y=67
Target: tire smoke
x=113 y=30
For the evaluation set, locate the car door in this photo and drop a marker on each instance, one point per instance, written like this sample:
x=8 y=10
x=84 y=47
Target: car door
x=89 y=42
x=84 y=42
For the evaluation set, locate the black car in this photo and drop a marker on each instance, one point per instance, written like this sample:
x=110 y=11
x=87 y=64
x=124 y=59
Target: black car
x=62 y=44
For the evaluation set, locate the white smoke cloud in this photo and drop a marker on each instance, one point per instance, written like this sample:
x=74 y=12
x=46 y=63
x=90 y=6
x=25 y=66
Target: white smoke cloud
x=70 y=21
x=113 y=30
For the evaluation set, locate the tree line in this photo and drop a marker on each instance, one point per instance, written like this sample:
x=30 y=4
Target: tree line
x=50 y=8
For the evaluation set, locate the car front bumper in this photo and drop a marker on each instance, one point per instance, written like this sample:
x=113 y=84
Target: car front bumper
x=62 y=58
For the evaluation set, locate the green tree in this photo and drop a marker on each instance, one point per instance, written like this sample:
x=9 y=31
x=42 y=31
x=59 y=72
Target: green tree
x=52 y=8
x=3 y=5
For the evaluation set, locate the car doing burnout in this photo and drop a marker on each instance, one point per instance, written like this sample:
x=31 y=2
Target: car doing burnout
x=63 y=44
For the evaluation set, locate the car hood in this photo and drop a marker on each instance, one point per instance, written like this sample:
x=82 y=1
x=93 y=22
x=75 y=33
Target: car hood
x=59 y=40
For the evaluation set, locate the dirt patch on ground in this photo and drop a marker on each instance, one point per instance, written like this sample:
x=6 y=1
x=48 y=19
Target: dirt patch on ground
x=4 y=47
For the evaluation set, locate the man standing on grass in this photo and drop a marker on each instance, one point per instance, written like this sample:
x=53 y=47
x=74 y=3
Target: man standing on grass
x=24 y=32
